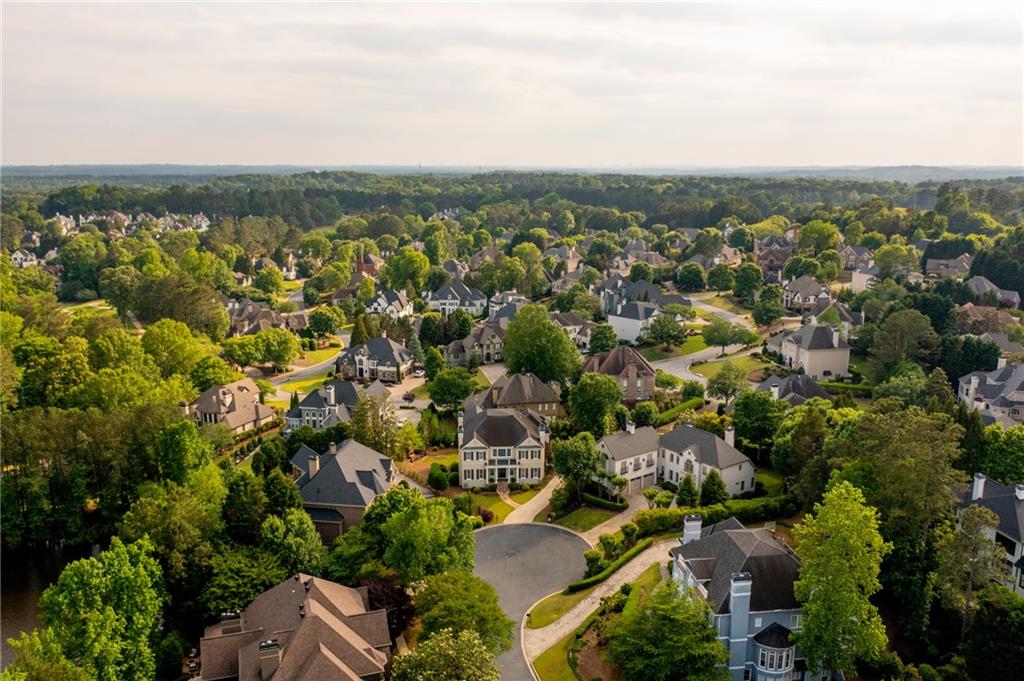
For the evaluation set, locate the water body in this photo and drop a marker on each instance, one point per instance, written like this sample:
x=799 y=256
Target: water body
x=24 y=575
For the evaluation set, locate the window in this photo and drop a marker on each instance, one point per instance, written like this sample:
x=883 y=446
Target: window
x=746 y=675
x=757 y=621
x=742 y=483
x=794 y=621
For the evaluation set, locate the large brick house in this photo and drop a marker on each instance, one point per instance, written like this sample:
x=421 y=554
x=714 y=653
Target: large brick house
x=634 y=374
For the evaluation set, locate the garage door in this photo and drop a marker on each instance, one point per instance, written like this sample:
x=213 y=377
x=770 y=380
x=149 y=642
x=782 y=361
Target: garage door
x=635 y=485
x=649 y=480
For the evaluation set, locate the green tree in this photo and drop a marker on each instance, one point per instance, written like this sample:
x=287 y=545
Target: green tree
x=104 y=611
x=591 y=399
x=534 y=344
x=269 y=280
x=713 y=490
x=375 y=424
x=180 y=449
x=447 y=656
x=450 y=387
x=687 y=496
x=427 y=539
x=407 y=265
x=767 y=312
x=416 y=349
x=383 y=507
x=720 y=278
x=463 y=602
x=433 y=363
x=324 y=321
x=279 y=347
x=748 y=281
x=243 y=351
x=603 y=339
x=756 y=415
x=800 y=266
x=38 y=657
x=904 y=336
x=666 y=634
x=211 y=370
x=666 y=330
x=729 y=382
x=120 y=286
x=1003 y=457
x=690 y=277
x=641 y=271
x=293 y=539
x=968 y=560
x=841 y=552
x=238 y=574
x=172 y=346
x=817 y=236
x=722 y=333
x=282 y=493
x=992 y=646
x=645 y=414
x=577 y=460
x=244 y=507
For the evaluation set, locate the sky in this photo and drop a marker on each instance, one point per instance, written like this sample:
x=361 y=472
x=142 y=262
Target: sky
x=579 y=85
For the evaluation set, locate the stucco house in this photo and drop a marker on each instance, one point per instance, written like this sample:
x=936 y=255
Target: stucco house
x=394 y=304
x=499 y=446
x=997 y=395
x=1007 y=503
x=632 y=321
x=794 y=389
x=747 y=577
x=632 y=454
x=236 y=405
x=804 y=293
x=457 y=296
x=818 y=349
x=337 y=485
x=485 y=343
x=627 y=366
x=688 y=450
x=377 y=359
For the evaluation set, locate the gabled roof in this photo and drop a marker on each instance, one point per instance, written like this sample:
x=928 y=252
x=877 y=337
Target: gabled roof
x=846 y=315
x=636 y=311
x=615 y=361
x=817 y=337
x=503 y=427
x=458 y=291
x=624 y=445
x=1006 y=346
x=390 y=297
x=383 y=350
x=795 y=388
x=807 y=287
x=707 y=447
x=724 y=550
x=518 y=389
x=1001 y=500
x=999 y=384
x=352 y=475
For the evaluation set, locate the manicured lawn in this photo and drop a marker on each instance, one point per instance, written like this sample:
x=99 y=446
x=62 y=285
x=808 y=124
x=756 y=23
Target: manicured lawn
x=421 y=466
x=493 y=502
x=643 y=585
x=747 y=363
x=312 y=357
x=98 y=304
x=553 y=663
x=522 y=497
x=862 y=365
x=585 y=518
x=553 y=607
x=276 y=404
x=771 y=480
x=726 y=303
x=292 y=285
x=656 y=352
x=306 y=385
x=482 y=382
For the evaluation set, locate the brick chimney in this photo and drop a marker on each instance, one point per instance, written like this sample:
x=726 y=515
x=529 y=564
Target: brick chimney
x=270 y=658
x=978 y=489
x=730 y=436
x=314 y=465
x=776 y=390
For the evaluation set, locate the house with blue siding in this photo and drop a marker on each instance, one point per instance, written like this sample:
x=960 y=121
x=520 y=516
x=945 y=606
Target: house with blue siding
x=746 y=576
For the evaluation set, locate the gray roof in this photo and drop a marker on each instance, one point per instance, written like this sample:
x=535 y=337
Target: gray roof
x=458 y=291
x=636 y=311
x=998 y=385
x=383 y=350
x=708 y=447
x=1006 y=346
x=503 y=427
x=795 y=389
x=727 y=548
x=1000 y=499
x=351 y=476
x=807 y=286
x=515 y=390
x=774 y=636
x=624 y=445
x=816 y=337
x=842 y=309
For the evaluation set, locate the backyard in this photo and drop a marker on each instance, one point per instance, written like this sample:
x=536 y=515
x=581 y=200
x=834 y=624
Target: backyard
x=479 y=378
x=746 y=362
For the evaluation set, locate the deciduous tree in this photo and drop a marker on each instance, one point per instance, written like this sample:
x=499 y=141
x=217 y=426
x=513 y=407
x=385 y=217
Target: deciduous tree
x=463 y=602
x=448 y=656
x=535 y=344
x=591 y=399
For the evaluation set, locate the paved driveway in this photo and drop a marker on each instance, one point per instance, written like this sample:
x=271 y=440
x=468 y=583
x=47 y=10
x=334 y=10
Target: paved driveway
x=524 y=563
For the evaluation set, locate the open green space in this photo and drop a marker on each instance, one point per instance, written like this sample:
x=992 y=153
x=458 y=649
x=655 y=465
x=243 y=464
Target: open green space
x=553 y=607
x=693 y=344
x=312 y=357
x=585 y=518
x=553 y=663
x=292 y=285
x=726 y=303
x=747 y=363
x=307 y=384
x=862 y=365
x=771 y=480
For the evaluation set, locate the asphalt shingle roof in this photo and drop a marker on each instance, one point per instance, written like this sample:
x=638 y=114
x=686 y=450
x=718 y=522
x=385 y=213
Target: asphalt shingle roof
x=707 y=447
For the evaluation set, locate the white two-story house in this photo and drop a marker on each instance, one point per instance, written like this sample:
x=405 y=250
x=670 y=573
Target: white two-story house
x=498 y=446
x=818 y=349
x=1007 y=502
x=457 y=296
x=394 y=304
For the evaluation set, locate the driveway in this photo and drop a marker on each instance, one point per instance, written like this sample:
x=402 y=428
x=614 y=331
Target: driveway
x=680 y=366
x=525 y=563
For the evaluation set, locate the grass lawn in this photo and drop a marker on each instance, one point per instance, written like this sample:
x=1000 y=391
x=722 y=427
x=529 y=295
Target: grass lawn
x=726 y=303
x=421 y=466
x=553 y=663
x=747 y=363
x=312 y=357
x=522 y=497
x=585 y=518
x=276 y=404
x=693 y=344
x=306 y=385
x=292 y=285
x=862 y=365
x=493 y=502
x=771 y=480
x=644 y=585
x=553 y=607
x=98 y=304
x=481 y=380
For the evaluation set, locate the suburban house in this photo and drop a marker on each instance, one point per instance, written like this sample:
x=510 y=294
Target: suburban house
x=688 y=450
x=499 y=446
x=332 y=404
x=457 y=296
x=488 y=254
x=351 y=289
x=485 y=344
x=631 y=321
x=773 y=252
x=502 y=307
x=22 y=258
x=943 y=268
x=576 y=327
x=980 y=318
x=248 y=317
x=1007 y=348
x=617 y=290
x=394 y=304
x=237 y=405
x=369 y=264
x=377 y=359
x=632 y=454
x=456 y=269
x=566 y=254
x=855 y=257
x=567 y=281
x=834 y=313
x=866 y=277
x=980 y=286
x=817 y=349
x=1007 y=502
x=303 y=628
x=337 y=485
x=747 y=577
x=634 y=373
x=804 y=292
x=997 y=395
x=794 y=389
x=518 y=391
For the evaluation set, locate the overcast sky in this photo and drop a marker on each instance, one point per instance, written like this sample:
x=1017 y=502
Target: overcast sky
x=555 y=85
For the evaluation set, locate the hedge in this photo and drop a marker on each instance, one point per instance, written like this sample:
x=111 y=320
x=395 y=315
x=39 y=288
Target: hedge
x=604 y=503
x=673 y=413
x=639 y=547
x=858 y=390
x=657 y=520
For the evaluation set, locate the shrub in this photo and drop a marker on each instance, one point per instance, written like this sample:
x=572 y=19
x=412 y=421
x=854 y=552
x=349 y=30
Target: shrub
x=610 y=569
x=453 y=479
x=476 y=522
x=657 y=520
x=169 y=655
x=672 y=414
x=437 y=479
x=595 y=562
x=599 y=502
x=514 y=486
x=560 y=498
x=629 y=532
x=762 y=508
x=453 y=468
x=463 y=502
x=610 y=545
x=854 y=389
x=693 y=389
x=670 y=486
x=485 y=513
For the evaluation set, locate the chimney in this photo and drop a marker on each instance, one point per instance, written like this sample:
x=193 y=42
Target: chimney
x=270 y=658
x=835 y=338
x=691 y=528
x=332 y=448
x=314 y=465
x=329 y=389
x=1018 y=492
x=630 y=427
x=739 y=607
x=776 y=389
x=978 y=490
x=1001 y=362
x=730 y=436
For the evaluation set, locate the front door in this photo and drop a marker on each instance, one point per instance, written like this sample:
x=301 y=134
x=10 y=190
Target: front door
x=502 y=474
